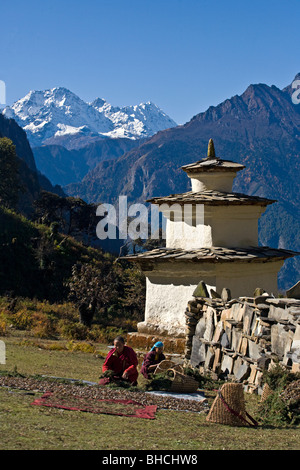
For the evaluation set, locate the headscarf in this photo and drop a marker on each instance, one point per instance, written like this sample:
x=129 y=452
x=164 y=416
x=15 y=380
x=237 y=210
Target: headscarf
x=159 y=344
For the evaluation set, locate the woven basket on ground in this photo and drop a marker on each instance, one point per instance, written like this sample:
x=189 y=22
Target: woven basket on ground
x=163 y=366
x=266 y=392
x=182 y=383
x=229 y=406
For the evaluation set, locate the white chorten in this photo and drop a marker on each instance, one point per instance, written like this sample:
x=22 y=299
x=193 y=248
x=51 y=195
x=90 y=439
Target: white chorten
x=211 y=236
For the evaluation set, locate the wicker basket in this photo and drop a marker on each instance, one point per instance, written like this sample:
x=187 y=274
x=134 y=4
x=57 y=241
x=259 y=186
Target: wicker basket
x=182 y=383
x=163 y=366
x=229 y=406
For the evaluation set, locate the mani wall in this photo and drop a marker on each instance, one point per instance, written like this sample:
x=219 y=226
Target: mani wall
x=237 y=339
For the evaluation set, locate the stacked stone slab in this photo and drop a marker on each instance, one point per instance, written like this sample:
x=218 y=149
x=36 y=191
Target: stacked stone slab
x=237 y=339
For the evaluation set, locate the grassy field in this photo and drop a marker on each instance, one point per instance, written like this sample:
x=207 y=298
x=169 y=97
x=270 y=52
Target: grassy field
x=26 y=427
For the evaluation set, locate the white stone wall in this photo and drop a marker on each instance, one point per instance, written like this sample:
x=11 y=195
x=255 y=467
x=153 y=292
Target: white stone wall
x=217 y=181
x=171 y=285
x=227 y=226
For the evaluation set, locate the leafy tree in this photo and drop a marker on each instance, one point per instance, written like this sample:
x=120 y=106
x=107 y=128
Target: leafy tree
x=9 y=176
x=73 y=216
x=90 y=289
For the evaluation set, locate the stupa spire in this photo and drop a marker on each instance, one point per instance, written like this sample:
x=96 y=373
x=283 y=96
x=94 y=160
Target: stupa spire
x=211 y=149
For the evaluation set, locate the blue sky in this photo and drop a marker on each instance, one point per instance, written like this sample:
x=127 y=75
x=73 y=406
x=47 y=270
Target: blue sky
x=184 y=55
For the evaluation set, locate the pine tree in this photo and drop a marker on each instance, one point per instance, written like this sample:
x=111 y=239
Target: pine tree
x=9 y=174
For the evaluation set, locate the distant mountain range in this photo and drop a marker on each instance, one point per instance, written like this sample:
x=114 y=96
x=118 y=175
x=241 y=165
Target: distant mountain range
x=260 y=129
x=83 y=151
x=60 y=117
x=69 y=137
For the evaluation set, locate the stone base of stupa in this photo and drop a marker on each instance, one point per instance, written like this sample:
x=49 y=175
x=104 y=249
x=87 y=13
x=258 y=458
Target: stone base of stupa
x=144 y=342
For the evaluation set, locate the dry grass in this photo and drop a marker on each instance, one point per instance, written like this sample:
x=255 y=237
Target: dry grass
x=26 y=427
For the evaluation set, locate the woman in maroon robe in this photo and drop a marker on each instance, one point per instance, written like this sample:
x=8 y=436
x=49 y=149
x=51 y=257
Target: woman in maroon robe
x=152 y=359
x=122 y=362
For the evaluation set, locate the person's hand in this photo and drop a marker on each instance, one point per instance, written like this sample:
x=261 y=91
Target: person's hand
x=125 y=375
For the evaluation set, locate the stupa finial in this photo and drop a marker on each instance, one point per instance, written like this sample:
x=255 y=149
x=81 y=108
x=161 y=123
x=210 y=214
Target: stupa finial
x=211 y=149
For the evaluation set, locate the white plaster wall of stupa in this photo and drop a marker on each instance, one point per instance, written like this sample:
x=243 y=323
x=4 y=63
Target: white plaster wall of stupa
x=243 y=278
x=227 y=226
x=168 y=289
x=216 y=181
x=171 y=285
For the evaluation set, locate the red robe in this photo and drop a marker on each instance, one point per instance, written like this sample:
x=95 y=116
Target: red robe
x=125 y=362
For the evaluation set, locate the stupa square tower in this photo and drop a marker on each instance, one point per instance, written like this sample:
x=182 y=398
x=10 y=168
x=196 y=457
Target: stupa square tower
x=211 y=236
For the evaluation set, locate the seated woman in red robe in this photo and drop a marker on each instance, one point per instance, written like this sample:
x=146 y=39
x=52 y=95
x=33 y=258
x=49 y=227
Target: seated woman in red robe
x=122 y=362
x=152 y=359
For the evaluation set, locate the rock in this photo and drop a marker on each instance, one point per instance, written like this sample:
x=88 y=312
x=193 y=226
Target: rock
x=209 y=359
x=209 y=330
x=247 y=315
x=278 y=313
x=258 y=291
x=198 y=352
x=227 y=364
x=254 y=350
x=296 y=339
x=294 y=291
x=225 y=343
x=295 y=368
x=214 y=294
x=201 y=327
x=235 y=338
x=226 y=294
x=219 y=330
x=243 y=372
x=261 y=299
x=281 y=340
x=201 y=290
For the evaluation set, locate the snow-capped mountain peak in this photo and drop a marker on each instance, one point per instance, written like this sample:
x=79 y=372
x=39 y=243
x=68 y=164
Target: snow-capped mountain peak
x=49 y=115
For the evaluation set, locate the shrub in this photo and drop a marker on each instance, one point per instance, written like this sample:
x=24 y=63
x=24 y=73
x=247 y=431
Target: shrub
x=22 y=319
x=83 y=347
x=276 y=409
x=3 y=326
x=69 y=330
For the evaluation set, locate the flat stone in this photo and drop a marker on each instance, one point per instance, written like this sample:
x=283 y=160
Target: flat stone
x=235 y=338
x=226 y=294
x=225 y=343
x=294 y=291
x=237 y=364
x=214 y=294
x=201 y=327
x=258 y=292
x=243 y=349
x=219 y=330
x=281 y=340
x=227 y=364
x=261 y=299
x=243 y=372
x=296 y=339
x=237 y=312
x=254 y=350
x=201 y=290
x=278 y=313
x=247 y=315
x=209 y=359
x=198 y=352
x=217 y=360
x=209 y=330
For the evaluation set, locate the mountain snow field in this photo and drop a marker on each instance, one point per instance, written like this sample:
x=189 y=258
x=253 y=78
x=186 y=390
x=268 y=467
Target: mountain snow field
x=58 y=112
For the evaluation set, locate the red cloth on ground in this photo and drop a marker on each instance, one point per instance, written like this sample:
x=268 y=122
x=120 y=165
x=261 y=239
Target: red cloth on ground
x=125 y=362
x=151 y=358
